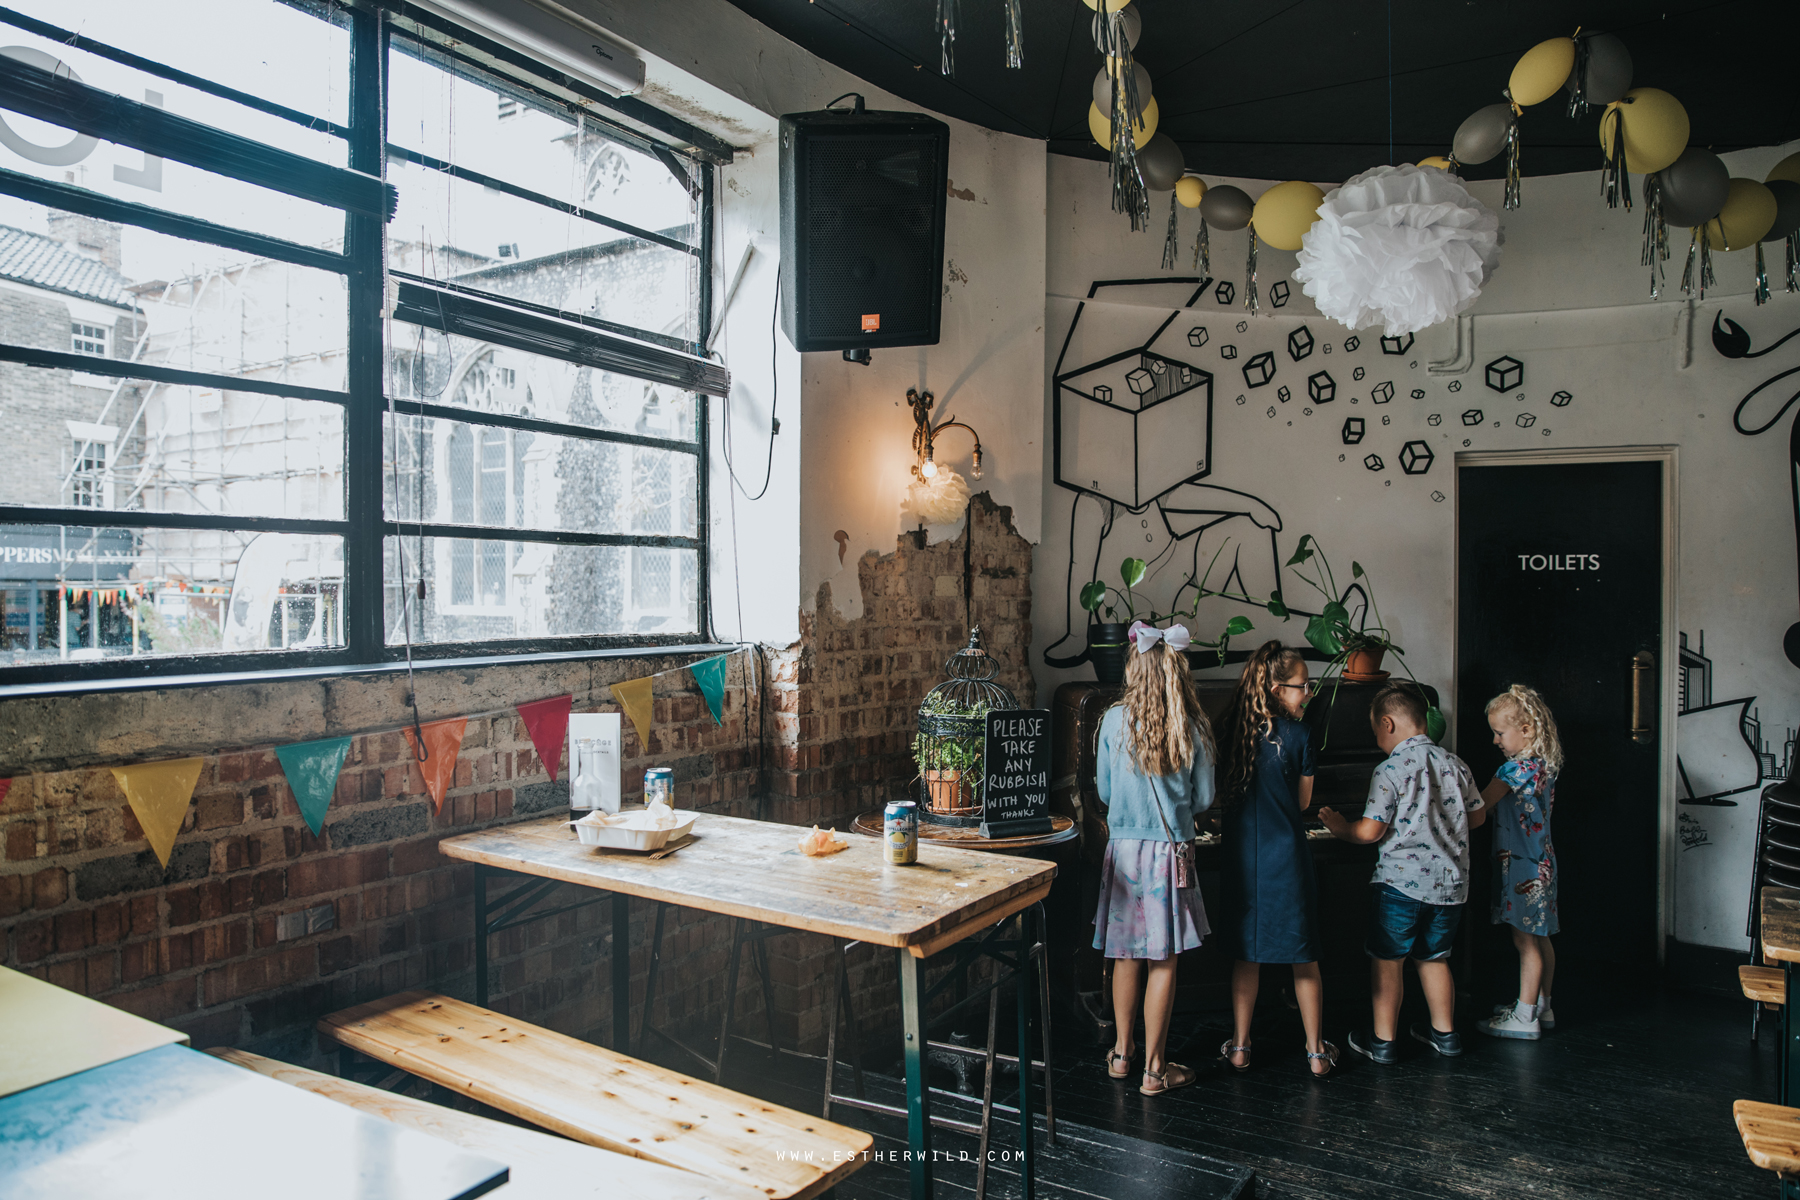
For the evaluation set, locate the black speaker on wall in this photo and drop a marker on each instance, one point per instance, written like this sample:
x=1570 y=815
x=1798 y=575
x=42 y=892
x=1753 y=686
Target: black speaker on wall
x=862 y=228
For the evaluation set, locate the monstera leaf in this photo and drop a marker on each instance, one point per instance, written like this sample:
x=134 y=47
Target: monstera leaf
x=1092 y=594
x=1302 y=550
x=1238 y=625
x=1132 y=572
x=1277 y=607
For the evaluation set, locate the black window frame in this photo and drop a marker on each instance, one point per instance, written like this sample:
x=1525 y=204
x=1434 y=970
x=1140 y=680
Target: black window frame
x=367 y=200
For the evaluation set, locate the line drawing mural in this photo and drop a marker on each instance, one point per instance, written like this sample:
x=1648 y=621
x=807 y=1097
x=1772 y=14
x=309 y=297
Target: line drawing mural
x=1739 y=756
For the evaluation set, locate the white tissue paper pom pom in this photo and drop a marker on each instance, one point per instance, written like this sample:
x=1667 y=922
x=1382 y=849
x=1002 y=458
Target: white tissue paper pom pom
x=938 y=501
x=1402 y=247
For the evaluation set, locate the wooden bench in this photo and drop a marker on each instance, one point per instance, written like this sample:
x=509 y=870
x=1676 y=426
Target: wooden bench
x=1771 y=1134
x=601 y=1097
x=1763 y=983
x=543 y=1167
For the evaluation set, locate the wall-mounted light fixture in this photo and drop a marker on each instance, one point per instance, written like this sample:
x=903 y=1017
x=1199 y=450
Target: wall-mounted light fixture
x=925 y=436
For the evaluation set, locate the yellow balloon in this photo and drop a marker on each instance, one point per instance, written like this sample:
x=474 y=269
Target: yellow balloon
x=1656 y=129
x=1543 y=71
x=1111 y=5
x=1436 y=160
x=1749 y=213
x=1788 y=169
x=1101 y=126
x=1286 y=211
x=1190 y=190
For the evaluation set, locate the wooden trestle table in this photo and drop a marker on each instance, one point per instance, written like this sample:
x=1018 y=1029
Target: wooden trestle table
x=754 y=870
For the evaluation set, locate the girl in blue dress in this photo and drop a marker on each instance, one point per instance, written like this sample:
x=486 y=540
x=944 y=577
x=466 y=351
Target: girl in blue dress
x=1266 y=884
x=1521 y=796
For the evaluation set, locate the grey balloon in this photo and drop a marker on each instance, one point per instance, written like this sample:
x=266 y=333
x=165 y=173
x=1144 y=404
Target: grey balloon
x=1787 y=209
x=1134 y=27
x=1694 y=188
x=1226 y=207
x=1608 y=74
x=1483 y=135
x=1160 y=162
x=1103 y=89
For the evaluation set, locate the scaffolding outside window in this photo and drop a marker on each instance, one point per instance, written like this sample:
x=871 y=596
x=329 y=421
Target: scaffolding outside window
x=283 y=466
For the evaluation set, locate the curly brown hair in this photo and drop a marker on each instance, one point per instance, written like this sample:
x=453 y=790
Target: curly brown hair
x=1162 y=711
x=1253 y=711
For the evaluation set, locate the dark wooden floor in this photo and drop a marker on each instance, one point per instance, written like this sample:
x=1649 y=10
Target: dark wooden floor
x=1630 y=1097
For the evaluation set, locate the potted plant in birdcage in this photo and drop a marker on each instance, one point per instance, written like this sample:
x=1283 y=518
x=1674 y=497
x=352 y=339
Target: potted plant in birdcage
x=1355 y=649
x=1107 y=637
x=952 y=732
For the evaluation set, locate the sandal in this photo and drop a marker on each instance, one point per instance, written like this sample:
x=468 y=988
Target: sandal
x=1330 y=1057
x=1173 y=1076
x=1118 y=1065
x=1227 y=1050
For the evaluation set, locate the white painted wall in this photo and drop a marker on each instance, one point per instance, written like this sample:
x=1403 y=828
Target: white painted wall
x=1570 y=301
x=842 y=458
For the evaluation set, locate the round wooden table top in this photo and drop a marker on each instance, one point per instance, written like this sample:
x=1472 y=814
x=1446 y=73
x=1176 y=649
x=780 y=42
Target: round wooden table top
x=968 y=837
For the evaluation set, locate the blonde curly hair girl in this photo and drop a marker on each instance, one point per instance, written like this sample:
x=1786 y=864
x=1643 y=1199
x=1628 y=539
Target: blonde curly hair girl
x=1527 y=711
x=1165 y=711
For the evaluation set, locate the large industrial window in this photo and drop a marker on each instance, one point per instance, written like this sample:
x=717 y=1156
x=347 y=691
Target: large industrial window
x=336 y=335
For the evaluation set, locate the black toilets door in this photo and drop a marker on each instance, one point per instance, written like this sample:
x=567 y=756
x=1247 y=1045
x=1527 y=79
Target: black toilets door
x=1560 y=586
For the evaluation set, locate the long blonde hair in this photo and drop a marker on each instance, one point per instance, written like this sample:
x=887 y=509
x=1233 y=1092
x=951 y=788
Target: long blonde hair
x=1532 y=716
x=1253 y=711
x=1162 y=711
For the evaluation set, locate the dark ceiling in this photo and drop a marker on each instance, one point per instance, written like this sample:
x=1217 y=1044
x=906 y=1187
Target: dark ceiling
x=1300 y=89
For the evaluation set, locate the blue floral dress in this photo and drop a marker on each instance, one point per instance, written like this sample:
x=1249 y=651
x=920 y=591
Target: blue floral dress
x=1524 y=859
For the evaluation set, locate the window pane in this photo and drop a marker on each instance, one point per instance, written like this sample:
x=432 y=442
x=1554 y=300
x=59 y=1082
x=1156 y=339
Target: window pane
x=431 y=366
x=493 y=589
x=72 y=593
x=268 y=49
x=461 y=232
x=450 y=473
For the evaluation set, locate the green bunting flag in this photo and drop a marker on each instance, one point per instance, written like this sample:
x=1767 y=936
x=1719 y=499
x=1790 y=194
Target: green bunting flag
x=709 y=673
x=312 y=772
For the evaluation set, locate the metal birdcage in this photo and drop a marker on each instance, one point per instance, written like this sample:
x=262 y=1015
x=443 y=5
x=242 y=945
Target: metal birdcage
x=952 y=726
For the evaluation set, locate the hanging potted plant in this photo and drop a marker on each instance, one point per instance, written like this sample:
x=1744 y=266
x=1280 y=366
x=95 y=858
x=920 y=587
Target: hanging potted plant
x=1107 y=640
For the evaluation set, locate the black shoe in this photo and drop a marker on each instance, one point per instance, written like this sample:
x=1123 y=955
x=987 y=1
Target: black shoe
x=1365 y=1043
x=1447 y=1044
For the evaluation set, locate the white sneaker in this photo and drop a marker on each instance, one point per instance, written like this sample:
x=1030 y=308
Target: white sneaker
x=1546 y=1017
x=1510 y=1025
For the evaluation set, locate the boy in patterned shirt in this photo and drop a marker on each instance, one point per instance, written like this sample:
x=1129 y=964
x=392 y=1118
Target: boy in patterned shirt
x=1422 y=803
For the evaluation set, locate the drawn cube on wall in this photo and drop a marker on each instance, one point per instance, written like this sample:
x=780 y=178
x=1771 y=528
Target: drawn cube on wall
x=1416 y=458
x=1283 y=394
x=1418 y=393
x=1373 y=463
x=1455 y=385
x=1133 y=426
x=1300 y=343
x=1352 y=432
x=1197 y=336
x=1505 y=373
x=1225 y=293
x=1561 y=399
x=1381 y=393
x=1259 y=370
x=1526 y=421
x=1472 y=416
x=1434 y=419
x=1227 y=351
x=1278 y=295
x=1397 y=345
x=1352 y=344
x=1321 y=387
x=1357 y=374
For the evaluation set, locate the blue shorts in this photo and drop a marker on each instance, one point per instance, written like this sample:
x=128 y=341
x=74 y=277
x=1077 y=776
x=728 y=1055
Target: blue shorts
x=1402 y=927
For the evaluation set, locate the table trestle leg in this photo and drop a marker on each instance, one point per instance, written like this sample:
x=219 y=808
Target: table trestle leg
x=987 y=1095
x=918 y=1093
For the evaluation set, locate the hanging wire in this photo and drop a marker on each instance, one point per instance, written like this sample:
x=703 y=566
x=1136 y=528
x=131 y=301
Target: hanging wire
x=1390 y=40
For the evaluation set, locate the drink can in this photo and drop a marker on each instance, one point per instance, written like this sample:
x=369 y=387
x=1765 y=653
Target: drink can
x=659 y=784
x=900 y=832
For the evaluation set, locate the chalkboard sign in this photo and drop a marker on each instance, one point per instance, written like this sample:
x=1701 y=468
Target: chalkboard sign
x=1016 y=773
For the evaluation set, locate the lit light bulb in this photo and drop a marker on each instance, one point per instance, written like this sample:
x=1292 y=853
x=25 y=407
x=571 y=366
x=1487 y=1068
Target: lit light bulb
x=929 y=470
x=977 y=471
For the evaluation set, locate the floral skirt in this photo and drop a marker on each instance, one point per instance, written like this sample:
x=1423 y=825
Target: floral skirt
x=1142 y=913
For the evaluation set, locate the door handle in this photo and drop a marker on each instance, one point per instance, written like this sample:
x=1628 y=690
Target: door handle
x=1643 y=696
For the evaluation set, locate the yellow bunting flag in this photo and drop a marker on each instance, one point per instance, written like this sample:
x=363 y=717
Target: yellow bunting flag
x=159 y=793
x=634 y=697
x=442 y=741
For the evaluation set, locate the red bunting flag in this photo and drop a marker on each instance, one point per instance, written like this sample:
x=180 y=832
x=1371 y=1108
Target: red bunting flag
x=442 y=740
x=547 y=721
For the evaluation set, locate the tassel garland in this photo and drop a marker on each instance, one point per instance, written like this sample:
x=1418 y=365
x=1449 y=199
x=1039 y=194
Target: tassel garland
x=1251 y=301
x=1762 y=278
x=1703 y=278
x=1578 y=102
x=1512 y=165
x=947 y=13
x=1171 y=242
x=1203 y=255
x=1615 y=179
x=1015 y=36
x=1128 y=193
x=1656 y=235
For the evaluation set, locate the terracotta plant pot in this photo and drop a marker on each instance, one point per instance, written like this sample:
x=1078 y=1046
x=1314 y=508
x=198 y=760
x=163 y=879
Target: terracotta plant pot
x=1108 y=645
x=1364 y=662
x=948 y=790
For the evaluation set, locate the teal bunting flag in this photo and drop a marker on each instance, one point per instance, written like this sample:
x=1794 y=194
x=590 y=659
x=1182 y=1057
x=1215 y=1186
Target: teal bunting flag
x=709 y=673
x=312 y=772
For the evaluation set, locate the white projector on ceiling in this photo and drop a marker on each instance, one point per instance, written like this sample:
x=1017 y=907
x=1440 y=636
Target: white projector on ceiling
x=582 y=52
